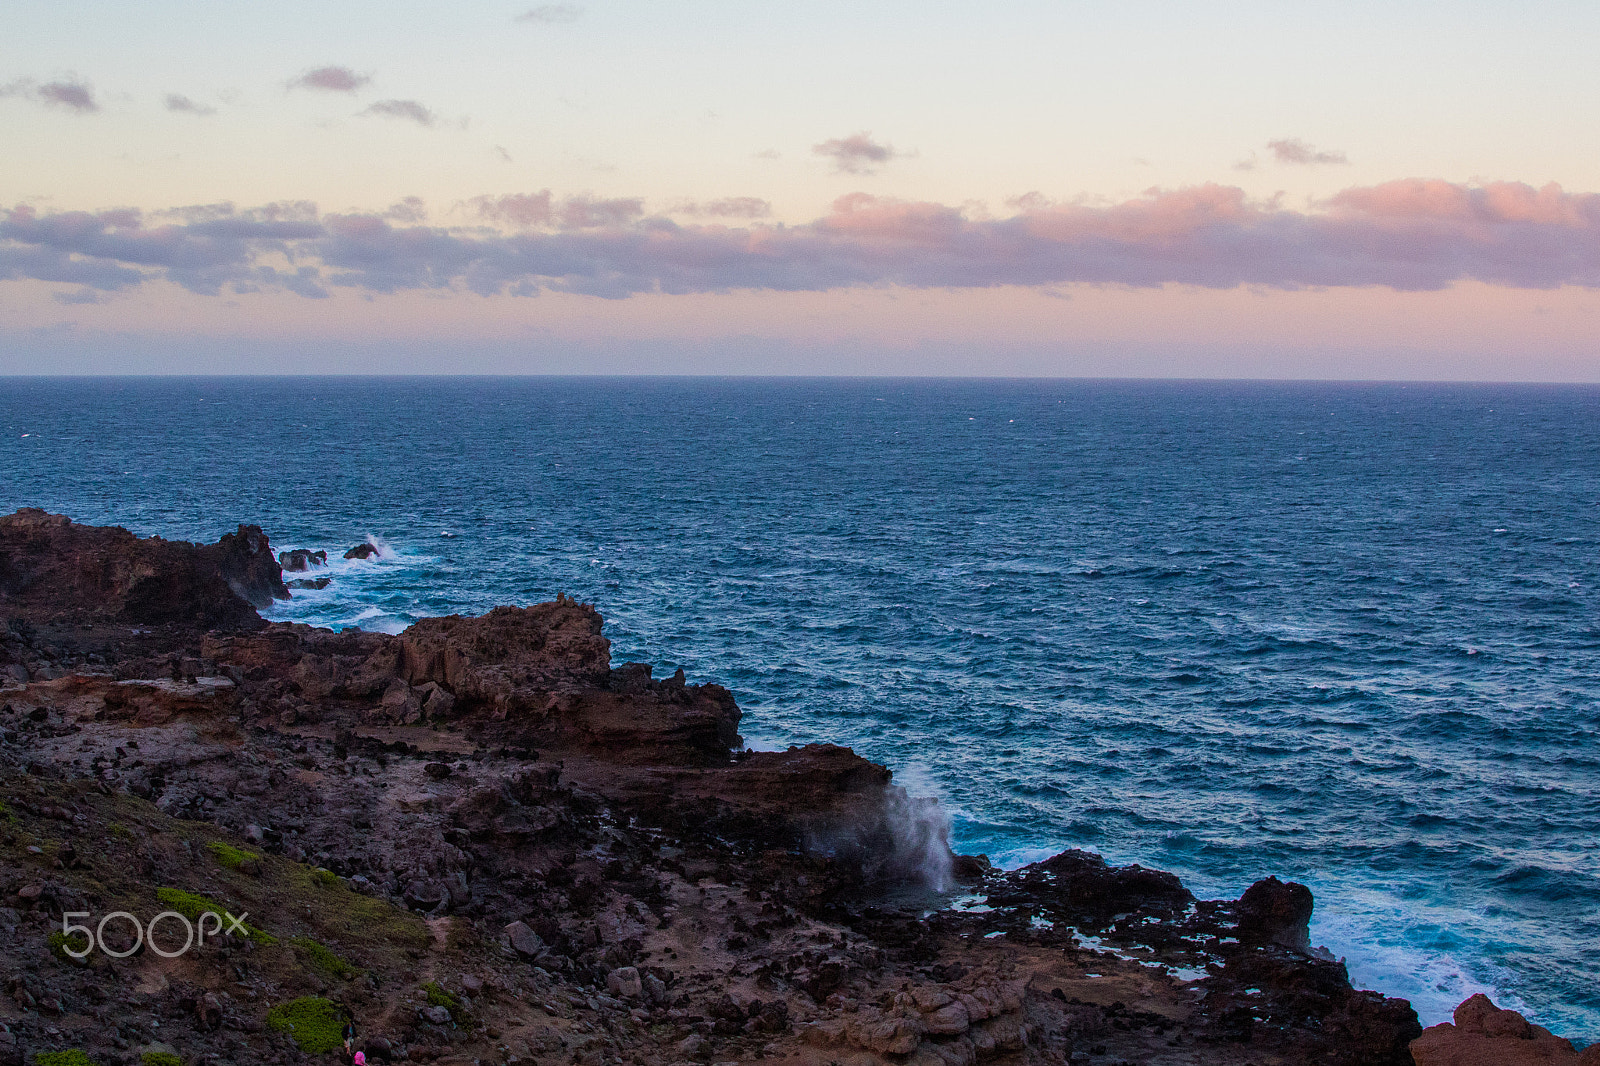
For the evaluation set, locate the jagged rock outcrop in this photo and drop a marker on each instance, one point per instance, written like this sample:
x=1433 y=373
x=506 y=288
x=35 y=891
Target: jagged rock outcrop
x=56 y=572
x=1485 y=1035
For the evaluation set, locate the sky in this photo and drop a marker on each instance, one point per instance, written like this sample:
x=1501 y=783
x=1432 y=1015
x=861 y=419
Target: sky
x=1208 y=189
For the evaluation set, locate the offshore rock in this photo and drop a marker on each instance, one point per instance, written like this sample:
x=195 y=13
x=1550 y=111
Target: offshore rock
x=302 y=559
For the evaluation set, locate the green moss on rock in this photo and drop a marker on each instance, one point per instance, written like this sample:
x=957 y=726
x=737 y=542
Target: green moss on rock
x=192 y=906
x=59 y=942
x=315 y=1024
x=160 y=1058
x=73 y=1057
x=230 y=856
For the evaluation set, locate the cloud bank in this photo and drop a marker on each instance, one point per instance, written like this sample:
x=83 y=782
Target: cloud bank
x=1404 y=235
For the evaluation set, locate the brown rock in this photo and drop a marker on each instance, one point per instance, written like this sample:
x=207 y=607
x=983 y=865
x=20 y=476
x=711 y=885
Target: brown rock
x=875 y=1031
x=949 y=1020
x=1485 y=1035
x=53 y=571
x=302 y=559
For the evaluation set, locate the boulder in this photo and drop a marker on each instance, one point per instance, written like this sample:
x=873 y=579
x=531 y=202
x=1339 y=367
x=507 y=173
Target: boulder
x=949 y=1020
x=624 y=982
x=1081 y=886
x=525 y=942
x=364 y=550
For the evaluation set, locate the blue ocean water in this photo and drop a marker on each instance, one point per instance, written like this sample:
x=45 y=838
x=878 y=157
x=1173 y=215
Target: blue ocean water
x=1346 y=634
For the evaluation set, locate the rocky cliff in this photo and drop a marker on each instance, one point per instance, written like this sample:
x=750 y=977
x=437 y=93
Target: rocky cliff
x=481 y=841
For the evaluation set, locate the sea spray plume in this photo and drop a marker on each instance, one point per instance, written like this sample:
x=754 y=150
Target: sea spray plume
x=906 y=839
x=921 y=829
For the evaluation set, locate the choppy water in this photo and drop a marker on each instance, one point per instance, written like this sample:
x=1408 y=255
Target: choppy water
x=1347 y=634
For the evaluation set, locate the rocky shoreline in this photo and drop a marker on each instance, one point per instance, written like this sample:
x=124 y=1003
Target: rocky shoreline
x=481 y=842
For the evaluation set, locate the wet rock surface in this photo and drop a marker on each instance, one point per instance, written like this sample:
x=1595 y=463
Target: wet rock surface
x=482 y=842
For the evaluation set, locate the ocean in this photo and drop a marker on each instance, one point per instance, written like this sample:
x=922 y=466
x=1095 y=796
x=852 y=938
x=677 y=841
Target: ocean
x=1347 y=634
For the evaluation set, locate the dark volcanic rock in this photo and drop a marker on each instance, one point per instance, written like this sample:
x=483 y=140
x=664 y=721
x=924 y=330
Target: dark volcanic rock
x=53 y=571
x=1081 y=886
x=302 y=559
x=1276 y=912
x=364 y=550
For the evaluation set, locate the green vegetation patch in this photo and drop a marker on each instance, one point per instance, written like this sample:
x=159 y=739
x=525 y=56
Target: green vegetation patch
x=5 y=813
x=316 y=1024
x=438 y=996
x=74 y=1057
x=230 y=856
x=192 y=907
x=160 y=1058
x=325 y=878
x=325 y=959
x=59 y=942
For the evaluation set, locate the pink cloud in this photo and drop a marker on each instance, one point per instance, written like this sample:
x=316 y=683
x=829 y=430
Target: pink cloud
x=1407 y=235
x=517 y=209
x=729 y=207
